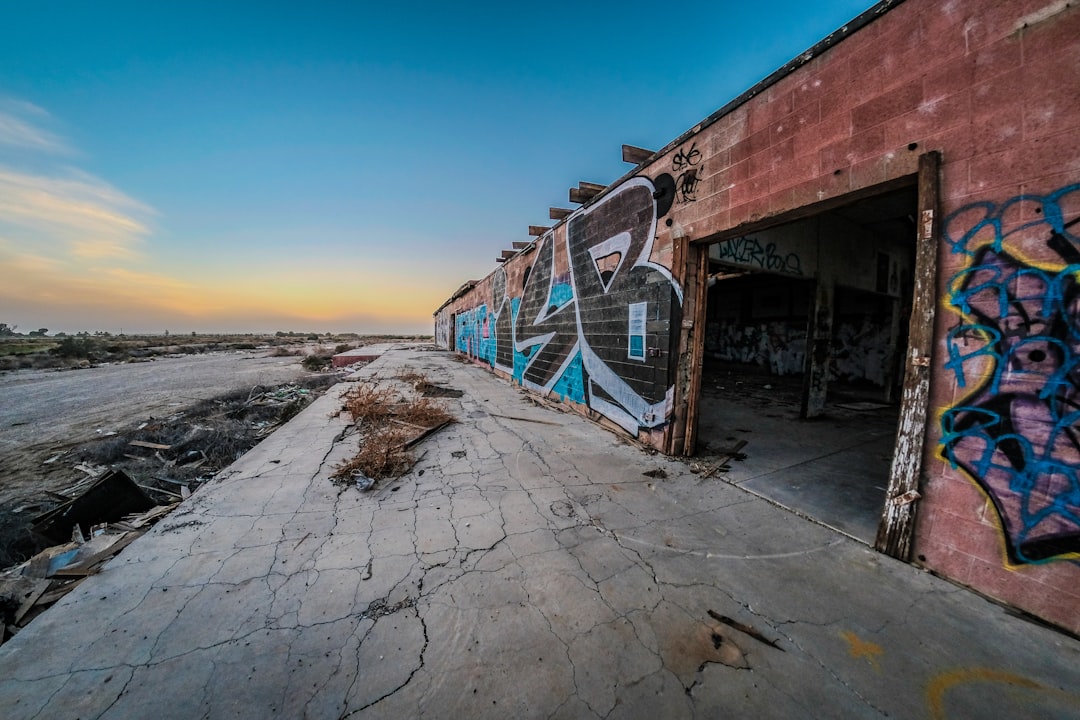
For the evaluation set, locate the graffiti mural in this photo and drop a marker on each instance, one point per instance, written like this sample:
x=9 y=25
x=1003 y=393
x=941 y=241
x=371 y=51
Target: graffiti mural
x=588 y=328
x=442 y=330
x=1016 y=351
x=593 y=319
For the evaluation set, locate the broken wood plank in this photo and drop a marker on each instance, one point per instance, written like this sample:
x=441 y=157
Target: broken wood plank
x=525 y=419
x=88 y=566
x=56 y=593
x=22 y=590
x=163 y=491
x=426 y=433
x=746 y=629
x=137 y=521
x=150 y=445
x=408 y=424
x=635 y=155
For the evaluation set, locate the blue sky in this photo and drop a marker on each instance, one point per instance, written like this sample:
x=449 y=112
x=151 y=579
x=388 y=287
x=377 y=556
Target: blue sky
x=268 y=166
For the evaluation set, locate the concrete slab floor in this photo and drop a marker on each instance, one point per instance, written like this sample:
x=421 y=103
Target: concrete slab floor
x=524 y=568
x=834 y=469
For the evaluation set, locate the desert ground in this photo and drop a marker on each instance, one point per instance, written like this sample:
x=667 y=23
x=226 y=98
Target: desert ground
x=51 y=418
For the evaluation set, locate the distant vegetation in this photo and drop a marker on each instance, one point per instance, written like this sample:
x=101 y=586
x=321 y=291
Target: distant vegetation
x=37 y=350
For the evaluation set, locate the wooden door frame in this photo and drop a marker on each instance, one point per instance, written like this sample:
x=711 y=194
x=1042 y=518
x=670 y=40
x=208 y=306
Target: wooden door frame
x=897 y=527
x=897 y=524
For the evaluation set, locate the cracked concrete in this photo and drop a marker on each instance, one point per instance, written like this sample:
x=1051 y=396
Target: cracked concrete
x=521 y=569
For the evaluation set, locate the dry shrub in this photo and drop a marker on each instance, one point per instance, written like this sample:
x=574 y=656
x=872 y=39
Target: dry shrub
x=382 y=455
x=424 y=412
x=387 y=424
x=368 y=404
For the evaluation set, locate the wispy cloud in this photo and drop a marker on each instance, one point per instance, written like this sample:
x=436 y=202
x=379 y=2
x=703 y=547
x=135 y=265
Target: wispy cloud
x=79 y=214
x=18 y=133
x=21 y=126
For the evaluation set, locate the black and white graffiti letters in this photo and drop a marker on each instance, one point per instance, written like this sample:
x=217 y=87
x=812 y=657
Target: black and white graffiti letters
x=504 y=324
x=544 y=332
x=603 y=327
x=619 y=291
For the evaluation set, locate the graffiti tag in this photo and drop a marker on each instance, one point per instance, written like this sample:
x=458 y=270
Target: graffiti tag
x=748 y=251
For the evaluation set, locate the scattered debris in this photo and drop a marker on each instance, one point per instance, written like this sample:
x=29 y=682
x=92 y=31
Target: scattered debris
x=658 y=473
x=26 y=590
x=717 y=461
x=110 y=498
x=150 y=445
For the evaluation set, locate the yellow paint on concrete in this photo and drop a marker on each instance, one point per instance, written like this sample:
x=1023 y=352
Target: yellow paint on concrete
x=860 y=648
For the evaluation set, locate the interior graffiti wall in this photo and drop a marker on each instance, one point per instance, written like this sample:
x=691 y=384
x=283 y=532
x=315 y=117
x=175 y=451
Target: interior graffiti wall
x=586 y=315
x=759 y=303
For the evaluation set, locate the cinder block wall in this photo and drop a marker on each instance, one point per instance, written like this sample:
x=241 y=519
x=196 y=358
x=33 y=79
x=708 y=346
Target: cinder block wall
x=995 y=88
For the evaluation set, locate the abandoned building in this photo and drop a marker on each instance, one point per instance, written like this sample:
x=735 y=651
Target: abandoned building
x=865 y=268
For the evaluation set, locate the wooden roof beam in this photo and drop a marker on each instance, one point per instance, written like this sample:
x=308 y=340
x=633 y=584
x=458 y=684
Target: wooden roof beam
x=538 y=230
x=559 y=213
x=635 y=155
x=585 y=191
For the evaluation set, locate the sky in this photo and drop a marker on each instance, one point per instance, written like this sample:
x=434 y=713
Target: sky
x=331 y=166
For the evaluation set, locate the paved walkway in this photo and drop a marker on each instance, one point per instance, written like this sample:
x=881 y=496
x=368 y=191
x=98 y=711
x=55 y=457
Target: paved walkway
x=526 y=568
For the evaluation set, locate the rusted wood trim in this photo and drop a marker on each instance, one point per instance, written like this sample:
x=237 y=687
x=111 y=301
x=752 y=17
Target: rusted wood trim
x=697 y=348
x=897 y=526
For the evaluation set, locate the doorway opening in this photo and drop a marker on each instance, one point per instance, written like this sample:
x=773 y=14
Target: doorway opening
x=806 y=333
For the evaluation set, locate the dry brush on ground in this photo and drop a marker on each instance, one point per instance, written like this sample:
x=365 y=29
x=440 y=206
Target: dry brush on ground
x=391 y=420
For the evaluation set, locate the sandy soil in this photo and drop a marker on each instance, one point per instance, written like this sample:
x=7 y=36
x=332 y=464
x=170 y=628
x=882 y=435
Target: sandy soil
x=44 y=412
